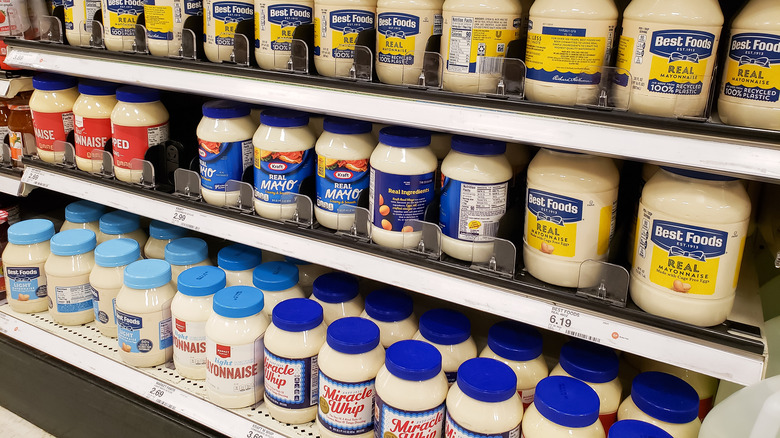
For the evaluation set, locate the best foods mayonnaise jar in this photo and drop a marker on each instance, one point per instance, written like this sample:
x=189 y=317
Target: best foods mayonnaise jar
x=164 y=21
x=275 y=22
x=83 y=214
x=119 y=19
x=67 y=277
x=23 y=259
x=220 y=18
x=337 y=24
x=160 y=235
x=107 y=278
x=120 y=224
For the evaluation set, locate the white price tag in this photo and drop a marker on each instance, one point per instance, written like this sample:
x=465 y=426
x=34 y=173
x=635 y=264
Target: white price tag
x=258 y=431
x=163 y=394
x=573 y=323
x=6 y=324
x=186 y=218
x=20 y=58
x=35 y=177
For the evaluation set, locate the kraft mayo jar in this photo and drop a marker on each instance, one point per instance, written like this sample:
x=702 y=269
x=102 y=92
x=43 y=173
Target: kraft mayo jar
x=337 y=293
x=307 y=273
x=225 y=149
x=337 y=24
x=343 y=151
x=220 y=18
x=23 y=259
x=665 y=401
x=292 y=343
x=450 y=332
x=139 y=121
x=107 y=278
x=563 y=407
x=190 y=309
x=78 y=20
x=690 y=238
x=121 y=224
x=705 y=386
x=234 y=347
x=119 y=19
x=67 y=277
x=401 y=185
x=92 y=122
x=160 y=235
x=239 y=262
x=284 y=158
x=52 y=112
x=275 y=22
x=392 y=310
x=83 y=214
x=475 y=186
x=186 y=253
x=349 y=362
x=164 y=21
x=636 y=429
x=278 y=281
x=571 y=202
x=410 y=391
x=519 y=346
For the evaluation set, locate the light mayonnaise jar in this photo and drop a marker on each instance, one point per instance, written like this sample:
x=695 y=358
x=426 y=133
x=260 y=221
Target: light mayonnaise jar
x=338 y=294
x=92 y=122
x=239 y=262
x=107 y=278
x=67 y=277
x=52 y=112
x=160 y=235
x=307 y=273
x=563 y=407
x=23 y=259
x=665 y=401
x=337 y=24
x=636 y=429
x=121 y=224
x=164 y=20
x=220 y=19
x=186 y=253
x=275 y=22
x=83 y=214
x=278 y=281
x=392 y=310
x=450 y=332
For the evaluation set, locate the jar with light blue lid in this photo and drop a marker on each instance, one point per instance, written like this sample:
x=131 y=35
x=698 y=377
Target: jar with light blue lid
x=67 y=276
x=186 y=253
x=239 y=261
x=121 y=224
x=278 y=281
x=161 y=234
x=83 y=214
x=107 y=278
x=24 y=258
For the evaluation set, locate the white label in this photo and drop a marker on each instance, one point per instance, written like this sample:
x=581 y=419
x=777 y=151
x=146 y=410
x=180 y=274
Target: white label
x=291 y=383
x=346 y=408
x=158 y=134
x=234 y=369
x=527 y=396
x=189 y=343
x=392 y=421
x=162 y=394
x=72 y=299
x=460 y=44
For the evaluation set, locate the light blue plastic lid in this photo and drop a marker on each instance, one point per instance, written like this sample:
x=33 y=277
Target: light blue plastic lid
x=117 y=252
x=297 y=315
x=335 y=287
x=353 y=335
x=73 y=242
x=445 y=327
x=515 y=341
x=239 y=257
x=81 y=212
x=487 y=380
x=636 y=429
x=165 y=231
x=238 y=301
x=275 y=276
x=201 y=281
x=284 y=118
x=567 y=401
x=119 y=222
x=30 y=231
x=589 y=362
x=665 y=397
x=186 y=251
x=413 y=360
x=53 y=82
x=403 y=137
x=147 y=274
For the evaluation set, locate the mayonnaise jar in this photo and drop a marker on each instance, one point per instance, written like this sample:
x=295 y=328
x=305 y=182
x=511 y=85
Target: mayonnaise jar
x=665 y=401
x=186 y=253
x=92 y=122
x=275 y=22
x=239 y=262
x=450 y=332
x=337 y=293
x=160 y=235
x=636 y=429
x=164 y=20
x=705 y=386
x=52 y=112
x=107 y=278
x=67 y=277
x=316 y=124
x=78 y=21
x=563 y=407
x=119 y=19
x=337 y=24
x=278 y=281
x=121 y=224
x=83 y=214
x=220 y=18
x=307 y=273
x=23 y=259
x=392 y=310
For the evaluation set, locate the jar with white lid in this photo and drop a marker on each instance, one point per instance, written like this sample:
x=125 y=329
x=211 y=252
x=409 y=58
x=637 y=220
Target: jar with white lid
x=185 y=253
x=484 y=401
x=636 y=429
x=665 y=401
x=292 y=343
x=190 y=309
x=337 y=24
x=284 y=158
x=92 y=122
x=139 y=121
x=23 y=259
x=392 y=310
x=520 y=347
x=597 y=366
x=107 y=278
x=338 y=294
x=83 y=214
x=234 y=347
x=220 y=18
x=67 y=277
x=343 y=151
x=225 y=149
x=410 y=390
x=571 y=203
x=121 y=224
x=164 y=20
x=450 y=332
x=705 y=386
x=307 y=273
x=475 y=186
x=349 y=362
x=52 y=112
x=401 y=187
x=160 y=235
x=563 y=407
x=239 y=262
x=275 y=22
x=278 y=281
x=119 y=20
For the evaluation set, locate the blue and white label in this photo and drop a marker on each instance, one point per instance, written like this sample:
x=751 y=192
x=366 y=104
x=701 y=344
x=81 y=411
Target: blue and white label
x=689 y=241
x=468 y=210
x=122 y=16
x=223 y=161
x=452 y=429
x=25 y=283
x=144 y=333
x=346 y=24
x=226 y=16
x=72 y=299
x=397 y=33
x=283 y=20
x=279 y=173
x=753 y=68
x=395 y=422
x=340 y=183
x=346 y=408
x=554 y=208
x=291 y=383
x=681 y=61
x=193 y=7
x=396 y=199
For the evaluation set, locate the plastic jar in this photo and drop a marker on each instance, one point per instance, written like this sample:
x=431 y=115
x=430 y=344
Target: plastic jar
x=571 y=202
x=21 y=135
x=520 y=347
x=83 y=214
x=186 y=253
x=392 y=310
x=307 y=273
x=52 y=112
x=292 y=342
x=121 y=224
x=119 y=19
x=349 y=362
x=220 y=18
x=636 y=429
x=705 y=386
x=337 y=24
x=284 y=158
x=107 y=278
x=190 y=309
x=239 y=262
x=401 y=162
x=450 y=332
x=5 y=112
x=164 y=21
x=278 y=281
x=78 y=21
x=23 y=259
x=337 y=293
x=410 y=391
x=563 y=407
x=234 y=347
x=665 y=401
x=139 y=121
x=92 y=122
x=696 y=224
x=67 y=277
x=343 y=151
x=160 y=235
x=475 y=187
x=225 y=149
x=275 y=22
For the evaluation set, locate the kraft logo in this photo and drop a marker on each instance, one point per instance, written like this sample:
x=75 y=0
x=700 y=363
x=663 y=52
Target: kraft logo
x=223 y=351
x=201 y=152
x=342 y=175
x=277 y=166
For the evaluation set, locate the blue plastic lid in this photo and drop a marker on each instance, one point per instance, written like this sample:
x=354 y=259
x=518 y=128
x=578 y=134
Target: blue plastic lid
x=567 y=401
x=297 y=315
x=225 y=109
x=698 y=175
x=636 y=429
x=389 y=305
x=665 y=397
x=53 y=82
x=487 y=380
x=239 y=257
x=413 y=360
x=119 y=222
x=186 y=251
x=94 y=87
x=353 y=335
x=30 y=231
x=238 y=301
x=117 y=252
x=445 y=327
x=589 y=362
x=295 y=261
x=340 y=125
x=275 y=276
x=284 y=118
x=81 y=212
x=73 y=242
x=133 y=94
x=477 y=146
x=147 y=274
x=335 y=287
x=403 y=137
x=165 y=231
x=201 y=281
x=515 y=341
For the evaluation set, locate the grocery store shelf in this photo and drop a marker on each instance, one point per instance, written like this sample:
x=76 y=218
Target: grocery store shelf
x=722 y=149
x=11 y=85
x=10 y=182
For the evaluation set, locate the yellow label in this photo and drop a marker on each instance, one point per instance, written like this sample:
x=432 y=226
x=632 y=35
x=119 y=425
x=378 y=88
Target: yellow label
x=606 y=227
x=124 y=21
x=321 y=166
x=317 y=32
x=69 y=16
x=395 y=49
x=475 y=43
x=158 y=18
x=550 y=238
x=683 y=274
x=681 y=71
x=625 y=49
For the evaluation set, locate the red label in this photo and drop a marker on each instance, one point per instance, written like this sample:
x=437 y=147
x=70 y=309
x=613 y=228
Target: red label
x=133 y=141
x=223 y=351
x=91 y=135
x=50 y=127
x=181 y=326
x=607 y=420
x=705 y=406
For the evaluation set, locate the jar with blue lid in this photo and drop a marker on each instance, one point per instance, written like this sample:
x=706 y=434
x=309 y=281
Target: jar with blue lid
x=24 y=258
x=392 y=310
x=51 y=105
x=83 y=214
x=664 y=400
x=67 y=276
x=186 y=253
x=450 y=332
x=636 y=429
x=239 y=262
x=107 y=278
x=121 y=224
x=563 y=407
x=307 y=273
x=338 y=293
x=160 y=235
x=278 y=281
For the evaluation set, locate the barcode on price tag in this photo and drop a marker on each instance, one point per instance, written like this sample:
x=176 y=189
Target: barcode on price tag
x=162 y=394
x=258 y=431
x=35 y=177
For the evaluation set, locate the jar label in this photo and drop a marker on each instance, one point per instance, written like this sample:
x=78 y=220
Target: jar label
x=397 y=35
x=753 y=67
x=400 y=423
x=122 y=16
x=291 y=383
x=100 y=315
x=454 y=430
x=346 y=408
x=189 y=342
x=222 y=19
x=86 y=7
x=275 y=24
x=223 y=161
x=476 y=44
x=159 y=20
x=527 y=396
x=340 y=182
x=72 y=299
x=50 y=127
x=395 y=199
x=193 y=8
x=90 y=136
x=144 y=332
x=129 y=142
x=26 y=283
x=277 y=173
x=470 y=210
x=234 y=369
x=452 y=376
x=344 y=25
x=17 y=141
